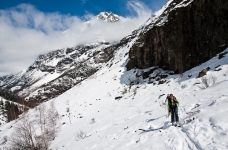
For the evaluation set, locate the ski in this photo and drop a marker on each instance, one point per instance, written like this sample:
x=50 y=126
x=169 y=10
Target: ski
x=178 y=125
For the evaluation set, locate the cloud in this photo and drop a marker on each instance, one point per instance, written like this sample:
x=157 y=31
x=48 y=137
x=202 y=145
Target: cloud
x=83 y=2
x=136 y=8
x=27 y=32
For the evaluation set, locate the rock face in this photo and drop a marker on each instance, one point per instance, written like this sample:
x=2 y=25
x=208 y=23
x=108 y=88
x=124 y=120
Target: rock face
x=191 y=32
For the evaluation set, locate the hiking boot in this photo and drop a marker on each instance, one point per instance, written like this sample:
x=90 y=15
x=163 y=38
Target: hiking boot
x=178 y=124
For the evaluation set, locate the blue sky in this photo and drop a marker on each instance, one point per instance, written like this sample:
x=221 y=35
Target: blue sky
x=29 y=28
x=81 y=7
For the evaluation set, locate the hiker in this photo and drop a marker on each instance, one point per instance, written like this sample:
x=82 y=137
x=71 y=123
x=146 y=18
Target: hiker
x=172 y=107
x=167 y=99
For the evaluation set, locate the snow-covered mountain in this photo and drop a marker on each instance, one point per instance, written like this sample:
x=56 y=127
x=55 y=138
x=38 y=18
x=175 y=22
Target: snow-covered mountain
x=54 y=73
x=107 y=103
x=109 y=17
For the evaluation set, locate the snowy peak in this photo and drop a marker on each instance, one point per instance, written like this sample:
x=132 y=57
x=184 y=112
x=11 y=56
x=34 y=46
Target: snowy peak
x=109 y=17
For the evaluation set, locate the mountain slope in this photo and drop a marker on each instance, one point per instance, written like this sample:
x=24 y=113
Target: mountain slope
x=58 y=71
x=116 y=121
x=111 y=123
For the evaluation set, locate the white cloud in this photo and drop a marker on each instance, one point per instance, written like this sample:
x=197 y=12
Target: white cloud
x=83 y=2
x=27 y=32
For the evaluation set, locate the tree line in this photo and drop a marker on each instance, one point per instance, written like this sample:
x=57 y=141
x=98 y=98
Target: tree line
x=12 y=106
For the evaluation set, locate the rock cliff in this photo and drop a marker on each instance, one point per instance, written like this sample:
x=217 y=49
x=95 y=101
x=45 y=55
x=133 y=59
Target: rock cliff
x=186 y=34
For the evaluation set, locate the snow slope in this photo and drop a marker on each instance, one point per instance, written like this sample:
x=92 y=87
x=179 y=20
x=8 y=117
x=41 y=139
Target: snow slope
x=110 y=123
x=117 y=122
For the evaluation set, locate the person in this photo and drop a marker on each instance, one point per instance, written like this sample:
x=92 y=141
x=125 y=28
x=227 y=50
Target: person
x=173 y=109
x=167 y=99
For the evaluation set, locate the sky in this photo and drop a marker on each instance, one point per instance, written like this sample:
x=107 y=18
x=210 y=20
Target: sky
x=29 y=28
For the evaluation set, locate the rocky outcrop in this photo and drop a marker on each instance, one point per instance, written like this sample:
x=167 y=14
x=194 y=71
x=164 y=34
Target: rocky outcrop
x=192 y=32
x=105 y=55
x=203 y=72
x=45 y=68
x=64 y=64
